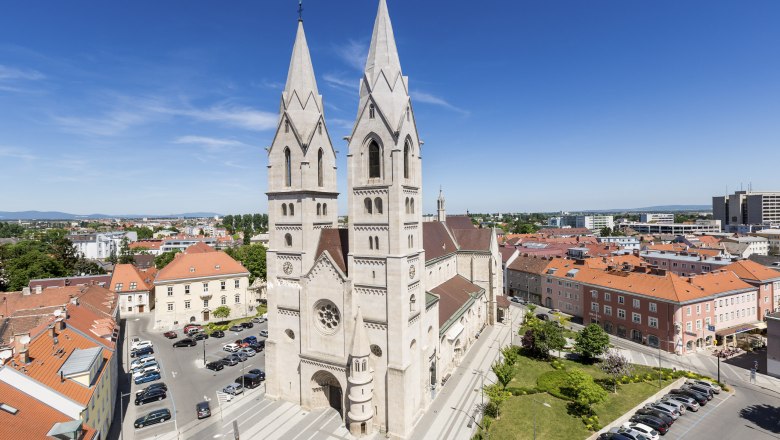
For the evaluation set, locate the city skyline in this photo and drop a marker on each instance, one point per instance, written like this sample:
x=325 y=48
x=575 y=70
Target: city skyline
x=115 y=109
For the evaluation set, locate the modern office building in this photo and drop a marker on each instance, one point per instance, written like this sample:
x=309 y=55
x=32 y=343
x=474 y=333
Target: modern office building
x=666 y=218
x=746 y=208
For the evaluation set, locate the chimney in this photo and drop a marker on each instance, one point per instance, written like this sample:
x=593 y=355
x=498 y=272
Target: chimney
x=25 y=291
x=52 y=332
x=61 y=324
x=38 y=289
x=24 y=356
x=74 y=300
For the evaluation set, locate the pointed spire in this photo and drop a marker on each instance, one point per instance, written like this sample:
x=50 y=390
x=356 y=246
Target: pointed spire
x=383 y=54
x=300 y=77
x=360 y=345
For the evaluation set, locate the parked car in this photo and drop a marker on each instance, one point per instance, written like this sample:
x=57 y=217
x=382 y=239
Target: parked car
x=247 y=324
x=259 y=319
x=145 y=359
x=234 y=389
x=154 y=417
x=250 y=339
x=249 y=380
x=264 y=333
x=515 y=299
x=553 y=311
x=257 y=347
x=147 y=369
x=703 y=383
x=215 y=365
x=141 y=367
x=134 y=339
x=154 y=386
x=190 y=328
x=700 y=389
x=203 y=410
x=653 y=422
x=669 y=410
x=140 y=344
x=655 y=413
x=141 y=351
x=256 y=371
x=170 y=334
x=200 y=336
x=248 y=351
x=701 y=398
x=186 y=342
x=232 y=347
x=543 y=316
x=681 y=407
x=613 y=436
x=241 y=356
x=643 y=429
x=629 y=433
x=236 y=328
x=217 y=334
x=151 y=396
x=231 y=360
x=689 y=402
x=148 y=377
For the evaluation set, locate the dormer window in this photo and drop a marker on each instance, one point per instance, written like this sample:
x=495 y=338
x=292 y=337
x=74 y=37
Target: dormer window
x=192 y=269
x=118 y=287
x=216 y=267
x=133 y=286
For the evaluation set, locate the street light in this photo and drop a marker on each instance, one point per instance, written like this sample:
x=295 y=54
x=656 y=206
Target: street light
x=482 y=389
x=487 y=434
x=541 y=403
x=527 y=289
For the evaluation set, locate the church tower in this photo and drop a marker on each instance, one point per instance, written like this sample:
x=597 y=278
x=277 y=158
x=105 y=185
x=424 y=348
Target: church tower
x=302 y=198
x=361 y=382
x=386 y=258
x=441 y=213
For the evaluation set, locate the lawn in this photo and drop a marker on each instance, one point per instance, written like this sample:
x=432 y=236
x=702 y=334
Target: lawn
x=555 y=423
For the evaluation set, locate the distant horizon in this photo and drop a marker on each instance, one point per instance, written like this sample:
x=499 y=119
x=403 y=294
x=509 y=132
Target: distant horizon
x=539 y=105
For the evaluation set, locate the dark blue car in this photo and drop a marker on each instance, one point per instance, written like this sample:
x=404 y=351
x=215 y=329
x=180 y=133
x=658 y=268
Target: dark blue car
x=250 y=340
x=148 y=377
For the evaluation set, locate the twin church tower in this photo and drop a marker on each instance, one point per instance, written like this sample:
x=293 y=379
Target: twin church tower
x=347 y=311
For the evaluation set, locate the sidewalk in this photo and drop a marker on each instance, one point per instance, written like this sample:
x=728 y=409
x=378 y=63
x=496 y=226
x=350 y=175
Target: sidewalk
x=464 y=388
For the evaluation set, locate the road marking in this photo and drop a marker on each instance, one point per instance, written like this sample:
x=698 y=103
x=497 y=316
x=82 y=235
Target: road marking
x=696 y=423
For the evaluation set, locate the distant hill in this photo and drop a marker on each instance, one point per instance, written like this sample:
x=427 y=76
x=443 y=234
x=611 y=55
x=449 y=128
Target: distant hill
x=56 y=215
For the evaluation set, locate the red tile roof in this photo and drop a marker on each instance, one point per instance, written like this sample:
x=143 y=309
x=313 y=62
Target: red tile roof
x=34 y=419
x=473 y=239
x=453 y=294
x=459 y=222
x=126 y=274
x=437 y=242
x=198 y=261
x=752 y=271
x=336 y=242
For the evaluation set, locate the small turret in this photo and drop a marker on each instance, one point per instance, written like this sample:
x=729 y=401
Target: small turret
x=361 y=382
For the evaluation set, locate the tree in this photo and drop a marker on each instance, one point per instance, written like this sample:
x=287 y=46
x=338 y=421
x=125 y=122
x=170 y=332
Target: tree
x=247 y=239
x=246 y=221
x=63 y=250
x=257 y=222
x=592 y=341
x=143 y=232
x=87 y=267
x=615 y=365
x=510 y=355
x=163 y=259
x=125 y=256
x=227 y=222
x=583 y=390
x=112 y=256
x=541 y=337
x=8 y=230
x=504 y=373
x=606 y=231
x=252 y=257
x=221 y=312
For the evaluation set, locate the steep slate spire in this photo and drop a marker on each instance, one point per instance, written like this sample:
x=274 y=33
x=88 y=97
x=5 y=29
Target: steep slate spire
x=360 y=345
x=301 y=99
x=383 y=54
x=300 y=77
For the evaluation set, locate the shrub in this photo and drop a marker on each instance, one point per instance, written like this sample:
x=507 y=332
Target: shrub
x=552 y=381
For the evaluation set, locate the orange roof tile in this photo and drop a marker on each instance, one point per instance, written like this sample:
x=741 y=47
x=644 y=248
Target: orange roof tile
x=125 y=274
x=34 y=419
x=198 y=261
x=750 y=270
x=89 y=322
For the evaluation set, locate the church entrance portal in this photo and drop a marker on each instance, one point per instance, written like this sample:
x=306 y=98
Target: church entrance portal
x=326 y=391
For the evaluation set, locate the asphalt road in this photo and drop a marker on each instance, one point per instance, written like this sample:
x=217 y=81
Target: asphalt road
x=183 y=371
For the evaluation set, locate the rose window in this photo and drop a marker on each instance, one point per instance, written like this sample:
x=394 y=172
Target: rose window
x=327 y=315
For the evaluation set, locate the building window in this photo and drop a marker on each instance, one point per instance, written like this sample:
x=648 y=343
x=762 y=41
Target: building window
x=607 y=296
x=170 y=307
x=406 y=160
x=133 y=286
x=594 y=307
x=688 y=326
x=636 y=318
x=186 y=289
x=653 y=307
x=205 y=287
x=621 y=300
x=636 y=304
x=170 y=290
x=118 y=287
x=237 y=283
x=652 y=322
x=594 y=294
x=374 y=160
x=292 y=209
x=223 y=300
x=688 y=311
x=608 y=310
x=222 y=285
x=287 y=168
x=286 y=126
x=320 y=180
x=371 y=111
x=707 y=321
x=698 y=309
x=129 y=298
x=621 y=314
x=369 y=207
x=205 y=303
x=237 y=298
x=378 y=204
x=698 y=324
x=324 y=209
x=288 y=240
x=187 y=304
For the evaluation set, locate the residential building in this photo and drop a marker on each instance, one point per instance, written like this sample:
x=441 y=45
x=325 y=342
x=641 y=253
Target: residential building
x=592 y=223
x=773 y=344
x=773 y=238
x=700 y=226
x=101 y=245
x=152 y=247
x=747 y=208
x=371 y=318
x=744 y=247
x=766 y=280
x=195 y=283
x=524 y=277
x=39 y=285
x=180 y=243
x=664 y=218
x=135 y=289
x=625 y=243
x=686 y=262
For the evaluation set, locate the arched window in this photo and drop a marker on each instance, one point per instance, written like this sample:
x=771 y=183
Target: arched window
x=407 y=113
x=412 y=302
x=284 y=209
x=319 y=126
x=371 y=243
x=411 y=241
x=287 y=168
x=407 y=149
x=292 y=209
x=288 y=240
x=319 y=168
x=374 y=160
x=364 y=365
x=371 y=111
x=319 y=209
x=376 y=242
x=324 y=209
x=286 y=126
x=406 y=204
x=368 y=205
x=411 y=206
x=378 y=204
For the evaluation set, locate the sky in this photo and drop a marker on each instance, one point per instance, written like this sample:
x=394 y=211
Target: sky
x=152 y=107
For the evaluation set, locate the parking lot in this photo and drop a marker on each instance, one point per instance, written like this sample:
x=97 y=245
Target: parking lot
x=183 y=371
x=686 y=425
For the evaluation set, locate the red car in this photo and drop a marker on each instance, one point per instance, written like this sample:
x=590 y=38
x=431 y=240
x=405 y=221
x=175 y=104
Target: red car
x=170 y=335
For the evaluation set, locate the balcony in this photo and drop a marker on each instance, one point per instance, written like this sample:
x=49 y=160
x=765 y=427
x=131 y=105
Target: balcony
x=205 y=295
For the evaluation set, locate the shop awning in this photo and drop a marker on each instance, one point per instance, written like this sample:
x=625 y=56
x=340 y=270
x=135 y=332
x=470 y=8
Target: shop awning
x=454 y=331
x=742 y=328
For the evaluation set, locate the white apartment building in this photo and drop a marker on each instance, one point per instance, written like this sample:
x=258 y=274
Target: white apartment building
x=99 y=246
x=773 y=238
x=182 y=243
x=626 y=243
x=665 y=218
x=701 y=226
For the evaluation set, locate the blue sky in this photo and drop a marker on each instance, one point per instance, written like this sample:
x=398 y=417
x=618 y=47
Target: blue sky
x=166 y=107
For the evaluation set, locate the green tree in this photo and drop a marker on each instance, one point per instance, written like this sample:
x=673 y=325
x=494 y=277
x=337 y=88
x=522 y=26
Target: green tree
x=581 y=388
x=504 y=373
x=592 y=341
x=227 y=222
x=8 y=230
x=247 y=237
x=112 y=256
x=125 y=256
x=221 y=312
x=163 y=259
x=606 y=231
x=26 y=260
x=541 y=337
x=257 y=222
x=87 y=267
x=143 y=232
x=252 y=257
x=62 y=249
x=246 y=221
x=510 y=355
x=616 y=365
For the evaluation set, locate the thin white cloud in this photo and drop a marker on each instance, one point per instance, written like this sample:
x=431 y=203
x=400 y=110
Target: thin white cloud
x=8 y=73
x=211 y=145
x=236 y=116
x=16 y=153
x=427 y=98
x=337 y=82
x=112 y=123
x=354 y=53
x=341 y=123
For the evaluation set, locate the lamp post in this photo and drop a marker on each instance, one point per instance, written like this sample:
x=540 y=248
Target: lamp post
x=487 y=434
x=541 y=403
x=527 y=288
x=482 y=388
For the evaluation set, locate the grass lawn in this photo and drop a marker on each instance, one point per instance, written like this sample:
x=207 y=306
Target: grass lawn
x=527 y=370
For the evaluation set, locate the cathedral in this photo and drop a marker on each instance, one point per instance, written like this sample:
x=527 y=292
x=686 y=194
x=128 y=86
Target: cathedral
x=372 y=318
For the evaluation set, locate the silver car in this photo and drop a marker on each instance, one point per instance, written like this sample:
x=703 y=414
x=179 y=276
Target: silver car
x=703 y=383
x=689 y=403
x=679 y=406
x=234 y=389
x=666 y=409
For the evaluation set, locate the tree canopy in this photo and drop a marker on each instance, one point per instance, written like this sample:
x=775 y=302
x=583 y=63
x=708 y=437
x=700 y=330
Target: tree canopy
x=163 y=259
x=592 y=341
x=252 y=257
x=541 y=337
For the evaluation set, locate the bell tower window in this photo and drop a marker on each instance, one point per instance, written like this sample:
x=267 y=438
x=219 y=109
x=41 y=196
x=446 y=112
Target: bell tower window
x=374 y=161
x=406 y=160
x=371 y=111
x=287 y=168
x=319 y=168
x=368 y=205
x=286 y=126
